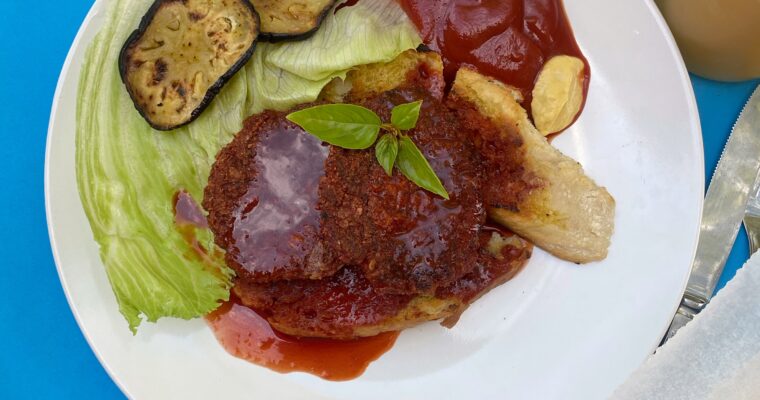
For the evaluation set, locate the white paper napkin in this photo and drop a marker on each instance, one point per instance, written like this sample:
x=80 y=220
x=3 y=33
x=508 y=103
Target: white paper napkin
x=716 y=356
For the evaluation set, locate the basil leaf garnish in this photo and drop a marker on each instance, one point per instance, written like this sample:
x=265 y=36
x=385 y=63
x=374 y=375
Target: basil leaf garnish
x=405 y=116
x=415 y=167
x=356 y=128
x=386 y=151
x=344 y=125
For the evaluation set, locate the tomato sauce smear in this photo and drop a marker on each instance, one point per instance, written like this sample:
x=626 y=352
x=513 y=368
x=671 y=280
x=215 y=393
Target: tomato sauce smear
x=246 y=334
x=509 y=40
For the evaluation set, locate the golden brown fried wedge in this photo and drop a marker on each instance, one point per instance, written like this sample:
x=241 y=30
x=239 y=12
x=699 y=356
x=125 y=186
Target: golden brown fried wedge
x=371 y=79
x=568 y=215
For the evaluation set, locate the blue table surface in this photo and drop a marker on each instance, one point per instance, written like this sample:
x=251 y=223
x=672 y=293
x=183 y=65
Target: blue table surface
x=42 y=352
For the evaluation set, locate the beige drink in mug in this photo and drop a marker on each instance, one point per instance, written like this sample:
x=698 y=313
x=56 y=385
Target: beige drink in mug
x=719 y=39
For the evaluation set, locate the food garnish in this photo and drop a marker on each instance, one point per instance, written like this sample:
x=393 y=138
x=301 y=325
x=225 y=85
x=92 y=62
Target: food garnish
x=558 y=94
x=405 y=116
x=291 y=19
x=182 y=54
x=344 y=125
x=386 y=151
x=355 y=127
x=412 y=163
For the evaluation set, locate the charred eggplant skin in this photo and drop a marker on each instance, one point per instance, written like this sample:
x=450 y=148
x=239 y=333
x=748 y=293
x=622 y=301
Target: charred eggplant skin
x=211 y=91
x=274 y=37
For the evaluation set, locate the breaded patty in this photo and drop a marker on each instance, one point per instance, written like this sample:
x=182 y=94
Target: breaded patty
x=347 y=305
x=284 y=207
x=413 y=241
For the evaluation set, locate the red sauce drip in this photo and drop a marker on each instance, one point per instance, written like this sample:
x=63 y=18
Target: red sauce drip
x=506 y=39
x=277 y=219
x=188 y=217
x=247 y=335
x=187 y=211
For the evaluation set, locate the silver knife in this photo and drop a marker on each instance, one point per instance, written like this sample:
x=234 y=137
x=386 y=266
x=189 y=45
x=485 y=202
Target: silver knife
x=723 y=211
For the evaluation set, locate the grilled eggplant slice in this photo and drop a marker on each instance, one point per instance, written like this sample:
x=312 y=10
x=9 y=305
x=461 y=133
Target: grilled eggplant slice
x=182 y=54
x=291 y=19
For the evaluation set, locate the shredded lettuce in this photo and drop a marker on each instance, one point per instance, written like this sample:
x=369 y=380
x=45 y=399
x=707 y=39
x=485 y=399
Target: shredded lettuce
x=128 y=173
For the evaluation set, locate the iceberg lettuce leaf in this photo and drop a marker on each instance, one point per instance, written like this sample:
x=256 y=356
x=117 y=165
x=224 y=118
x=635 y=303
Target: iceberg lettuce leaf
x=288 y=73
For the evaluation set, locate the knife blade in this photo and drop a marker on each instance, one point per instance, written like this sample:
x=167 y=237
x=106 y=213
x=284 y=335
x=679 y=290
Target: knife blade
x=724 y=206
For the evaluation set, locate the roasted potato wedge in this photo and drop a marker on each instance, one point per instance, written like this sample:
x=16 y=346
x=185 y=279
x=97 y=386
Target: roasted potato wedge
x=182 y=54
x=558 y=94
x=291 y=19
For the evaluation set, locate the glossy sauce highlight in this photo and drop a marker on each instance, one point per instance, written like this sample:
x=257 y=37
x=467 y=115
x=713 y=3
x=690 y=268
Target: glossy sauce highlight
x=277 y=219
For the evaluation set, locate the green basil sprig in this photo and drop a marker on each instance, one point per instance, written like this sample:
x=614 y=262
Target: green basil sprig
x=354 y=127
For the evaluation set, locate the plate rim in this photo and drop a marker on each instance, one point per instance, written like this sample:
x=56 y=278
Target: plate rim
x=697 y=126
x=97 y=6
x=94 y=8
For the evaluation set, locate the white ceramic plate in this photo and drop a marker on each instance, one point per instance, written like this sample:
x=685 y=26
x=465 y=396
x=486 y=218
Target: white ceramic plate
x=556 y=331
